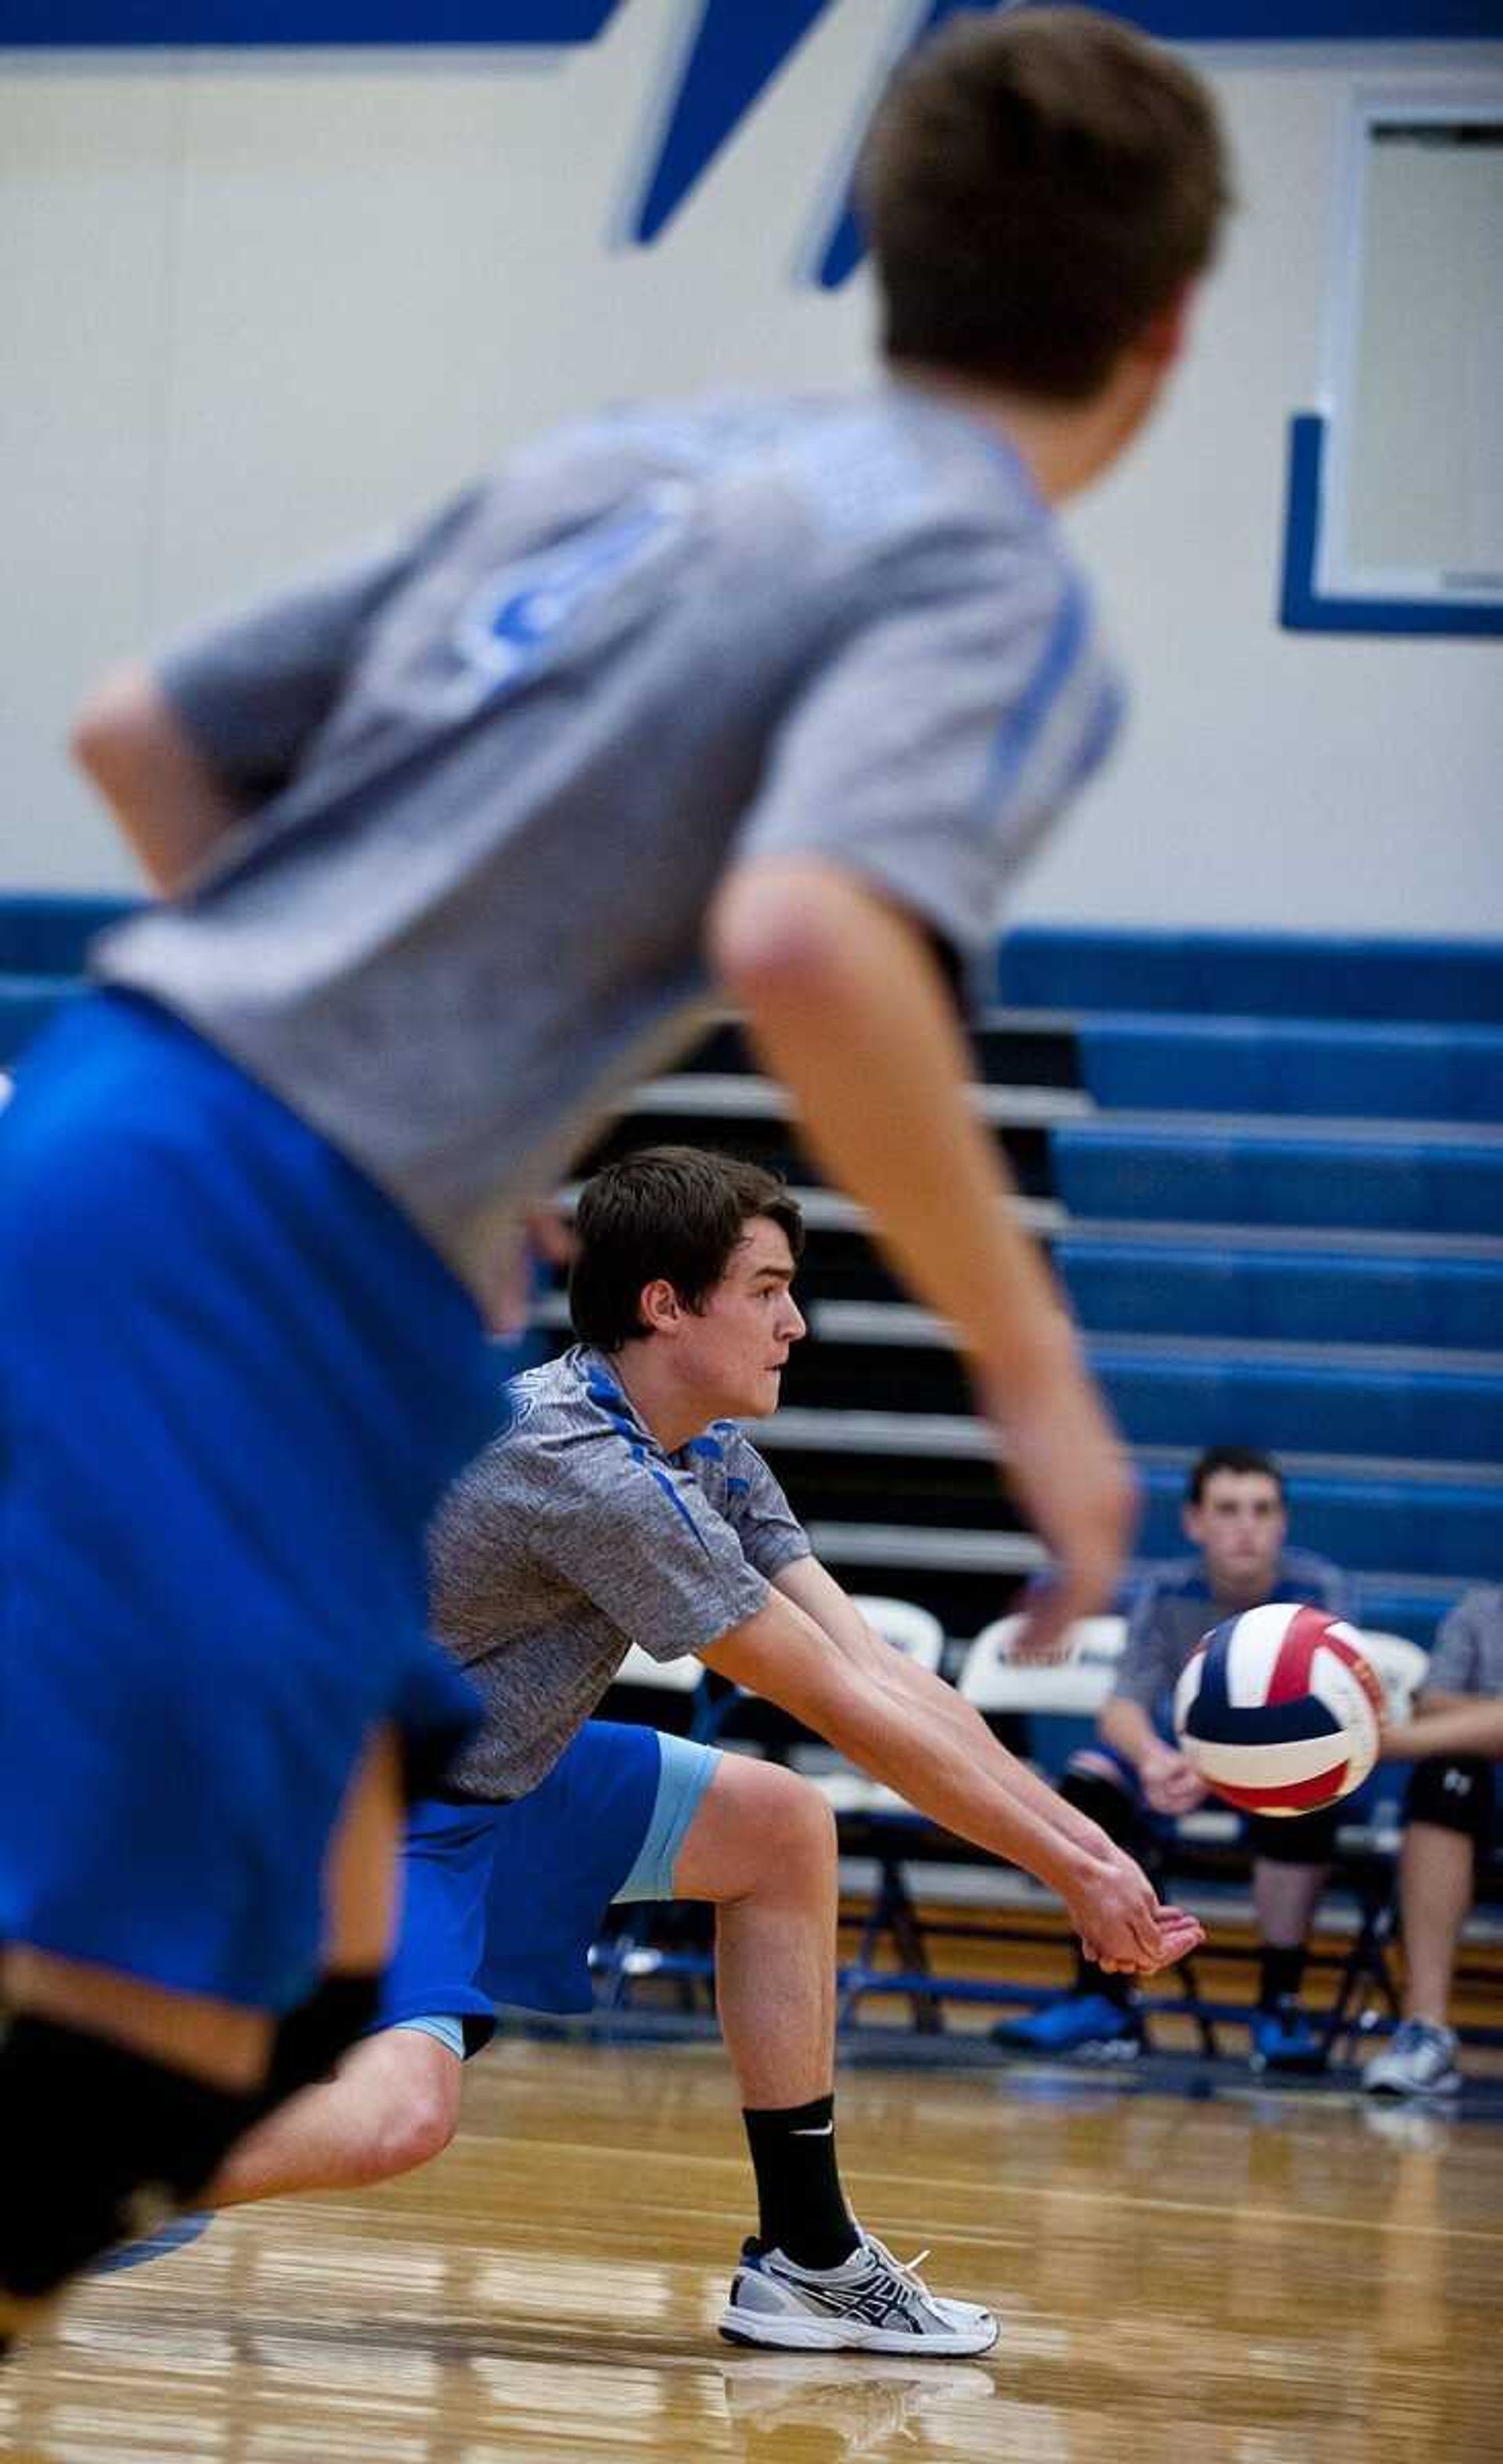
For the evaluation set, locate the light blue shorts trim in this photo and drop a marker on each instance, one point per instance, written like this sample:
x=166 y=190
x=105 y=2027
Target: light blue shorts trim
x=443 y=2031
x=683 y=1777
x=686 y=1772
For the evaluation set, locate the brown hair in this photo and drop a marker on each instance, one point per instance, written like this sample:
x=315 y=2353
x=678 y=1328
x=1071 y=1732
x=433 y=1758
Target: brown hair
x=1237 y=1459
x=1036 y=188
x=672 y=1212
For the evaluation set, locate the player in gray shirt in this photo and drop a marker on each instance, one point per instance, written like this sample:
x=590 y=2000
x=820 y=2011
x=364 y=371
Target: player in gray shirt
x=623 y=1508
x=1449 y=1826
x=1236 y=1512
x=454 y=842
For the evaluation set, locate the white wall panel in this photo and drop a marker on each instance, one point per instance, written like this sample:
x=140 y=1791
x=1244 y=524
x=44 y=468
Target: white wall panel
x=254 y=306
x=87 y=169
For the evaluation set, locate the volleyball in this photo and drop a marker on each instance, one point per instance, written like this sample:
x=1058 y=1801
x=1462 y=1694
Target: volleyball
x=1279 y=1709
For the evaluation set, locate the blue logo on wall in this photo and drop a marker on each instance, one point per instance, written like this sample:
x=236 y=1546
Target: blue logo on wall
x=736 y=51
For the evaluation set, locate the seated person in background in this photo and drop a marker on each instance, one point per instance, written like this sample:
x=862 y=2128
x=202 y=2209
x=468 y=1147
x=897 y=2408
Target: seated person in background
x=624 y=1505
x=1448 y=1826
x=1236 y=1513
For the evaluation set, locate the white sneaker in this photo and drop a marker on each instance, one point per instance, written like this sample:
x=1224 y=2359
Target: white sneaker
x=1420 y=2060
x=867 y=2304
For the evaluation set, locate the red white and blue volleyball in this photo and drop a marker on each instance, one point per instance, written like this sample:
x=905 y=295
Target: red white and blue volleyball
x=1279 y=1709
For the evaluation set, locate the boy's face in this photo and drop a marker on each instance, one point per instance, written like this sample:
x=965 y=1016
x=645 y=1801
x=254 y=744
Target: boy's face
x=1239 y=1527
x=731 y=1351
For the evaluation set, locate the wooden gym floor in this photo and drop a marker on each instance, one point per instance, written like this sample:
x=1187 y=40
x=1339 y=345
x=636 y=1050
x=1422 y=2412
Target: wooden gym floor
x=1253 y=2279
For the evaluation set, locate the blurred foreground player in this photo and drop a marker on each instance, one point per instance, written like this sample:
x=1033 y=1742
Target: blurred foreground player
x=455 y=842
x=626 y=1506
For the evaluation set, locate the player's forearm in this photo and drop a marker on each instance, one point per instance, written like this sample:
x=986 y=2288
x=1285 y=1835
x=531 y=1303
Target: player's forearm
x=918 y=1699
x=931 y=1701
x=941 y=1758
x=163 y=795
x=843 y=997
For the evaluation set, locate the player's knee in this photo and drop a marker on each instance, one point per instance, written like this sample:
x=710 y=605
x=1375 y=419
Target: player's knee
x=413 y=2120
x=794 y=1827
x=410 y=2138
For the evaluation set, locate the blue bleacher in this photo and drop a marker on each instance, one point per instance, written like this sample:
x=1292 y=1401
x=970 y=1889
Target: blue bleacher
x=47 y=932
x=1356 y=1408
x=1341 y=1296
x=1256 y=1175
x=1373 y=1235
x=1305 y=1065
x=1253 y=974
x=1442 y=1530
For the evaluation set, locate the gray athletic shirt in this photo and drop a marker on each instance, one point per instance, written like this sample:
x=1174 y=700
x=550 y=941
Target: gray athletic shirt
x=1467 y=1657
x=574 y=1536
x=1176 y=1608
x=493 y=772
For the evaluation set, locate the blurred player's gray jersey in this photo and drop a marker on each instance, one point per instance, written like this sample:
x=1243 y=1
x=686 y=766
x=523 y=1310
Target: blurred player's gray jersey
x=493 y=774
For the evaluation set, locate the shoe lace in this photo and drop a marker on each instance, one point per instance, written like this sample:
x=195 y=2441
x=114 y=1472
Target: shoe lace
x=906 y=2271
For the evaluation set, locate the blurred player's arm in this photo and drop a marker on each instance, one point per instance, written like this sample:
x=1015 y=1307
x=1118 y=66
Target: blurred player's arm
x=1445 y=1724
x=848 y=1005
x=909 y=1729
x=186 y=750
x=166 y=799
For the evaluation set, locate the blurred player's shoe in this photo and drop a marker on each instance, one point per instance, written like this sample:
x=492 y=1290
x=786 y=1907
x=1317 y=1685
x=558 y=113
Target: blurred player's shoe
x=1283 y=2039
x=168 y=2237
x=1089 y=2025
x=867 y=2304
x=1420 y=2060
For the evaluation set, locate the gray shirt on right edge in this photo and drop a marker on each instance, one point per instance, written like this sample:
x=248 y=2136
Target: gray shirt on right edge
x=1467 y=1657
x=574 y=1536
x=494 y=771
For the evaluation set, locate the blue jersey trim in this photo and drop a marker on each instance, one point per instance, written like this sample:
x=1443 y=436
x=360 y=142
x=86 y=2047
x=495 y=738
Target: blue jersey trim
x=602 y=1390
x=1027 y=719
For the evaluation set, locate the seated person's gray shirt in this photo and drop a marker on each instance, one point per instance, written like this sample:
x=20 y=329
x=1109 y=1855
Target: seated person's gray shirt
x=574 y=1536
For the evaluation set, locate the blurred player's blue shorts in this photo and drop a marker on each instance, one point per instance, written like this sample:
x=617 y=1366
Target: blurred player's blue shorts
x=234 y=1383
x=500 y=1903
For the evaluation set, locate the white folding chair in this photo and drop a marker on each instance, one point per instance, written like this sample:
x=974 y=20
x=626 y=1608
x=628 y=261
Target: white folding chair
x=919 y=1635
x=680 y=1676
x=913 y=1631
x=1401 y=1664
x=1073 y=1687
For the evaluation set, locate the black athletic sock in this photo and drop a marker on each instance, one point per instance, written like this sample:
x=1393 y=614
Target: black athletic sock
x=800 y=2206
x=1283 y=1969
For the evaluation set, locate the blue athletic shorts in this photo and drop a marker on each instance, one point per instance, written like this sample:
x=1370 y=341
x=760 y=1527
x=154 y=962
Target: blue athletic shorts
x=500 y=1903
x=234 y=1383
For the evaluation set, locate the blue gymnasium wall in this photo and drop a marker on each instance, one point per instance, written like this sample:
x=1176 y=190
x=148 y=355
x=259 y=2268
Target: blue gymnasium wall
x=279 y=270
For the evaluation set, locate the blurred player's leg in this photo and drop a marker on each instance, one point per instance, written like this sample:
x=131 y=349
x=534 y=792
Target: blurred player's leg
x=361 y=1892
x=117 y=2099
x=393 y=2106
x=170 y=2081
